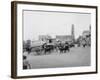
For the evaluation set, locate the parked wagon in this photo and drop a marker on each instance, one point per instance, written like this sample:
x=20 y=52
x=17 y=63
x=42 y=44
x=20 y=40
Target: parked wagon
x=37 y=47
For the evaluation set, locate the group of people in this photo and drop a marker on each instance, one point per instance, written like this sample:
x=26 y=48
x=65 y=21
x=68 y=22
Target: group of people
x=46 y=49
x=61 y=47
x=49 y=48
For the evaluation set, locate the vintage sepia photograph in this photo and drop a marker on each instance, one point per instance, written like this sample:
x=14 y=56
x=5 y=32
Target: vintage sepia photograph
x=53 y=39
x=56 y=39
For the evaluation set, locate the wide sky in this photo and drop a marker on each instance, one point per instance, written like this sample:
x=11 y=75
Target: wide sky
x=37 y=23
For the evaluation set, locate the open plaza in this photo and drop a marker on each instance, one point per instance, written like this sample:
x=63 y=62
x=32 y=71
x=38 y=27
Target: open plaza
x=76 y=57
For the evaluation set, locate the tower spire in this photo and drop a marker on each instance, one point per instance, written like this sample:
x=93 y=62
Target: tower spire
x=72 y=32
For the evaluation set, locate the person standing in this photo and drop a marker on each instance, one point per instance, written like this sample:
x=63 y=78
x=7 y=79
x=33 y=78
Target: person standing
x=26 y=64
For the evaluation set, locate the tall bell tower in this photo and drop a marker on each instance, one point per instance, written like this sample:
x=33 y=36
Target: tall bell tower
x=72 y=32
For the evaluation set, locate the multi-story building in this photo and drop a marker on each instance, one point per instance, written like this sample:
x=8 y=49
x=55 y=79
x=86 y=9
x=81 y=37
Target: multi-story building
x=68 y=38
x=45 y=38
x=86 y=37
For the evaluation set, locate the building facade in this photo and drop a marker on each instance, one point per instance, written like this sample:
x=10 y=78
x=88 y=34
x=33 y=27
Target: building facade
x=45 y=38
x=68 y=38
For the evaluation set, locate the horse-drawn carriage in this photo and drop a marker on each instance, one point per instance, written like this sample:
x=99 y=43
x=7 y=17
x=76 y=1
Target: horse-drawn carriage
x=41 y=47
x=37 y=47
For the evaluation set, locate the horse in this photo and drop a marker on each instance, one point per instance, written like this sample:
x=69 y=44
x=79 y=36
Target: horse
x=63 y=47
x=48 y=48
